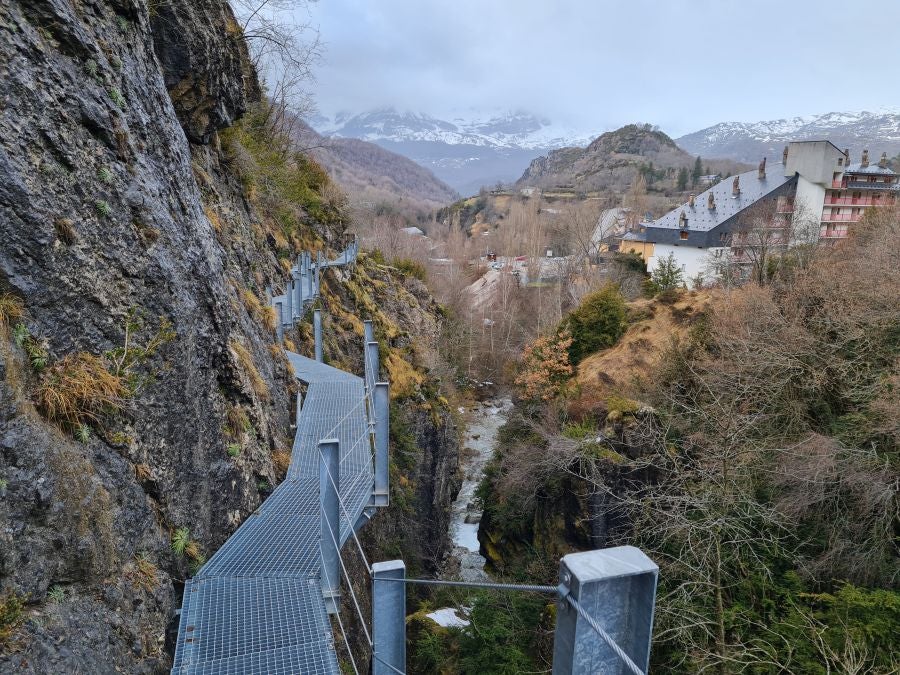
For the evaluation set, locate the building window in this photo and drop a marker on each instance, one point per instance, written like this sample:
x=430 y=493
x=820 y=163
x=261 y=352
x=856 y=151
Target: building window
x=840 y=161
x=683 y=234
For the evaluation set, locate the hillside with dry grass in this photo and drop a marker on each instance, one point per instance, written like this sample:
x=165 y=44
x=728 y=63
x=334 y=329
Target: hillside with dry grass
x=653 y=325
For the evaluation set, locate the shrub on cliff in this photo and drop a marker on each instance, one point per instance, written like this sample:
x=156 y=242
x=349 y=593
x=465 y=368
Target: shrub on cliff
x=597 y=323
x=545 y=367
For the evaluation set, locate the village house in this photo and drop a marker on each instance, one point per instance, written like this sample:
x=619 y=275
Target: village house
x=815 y=189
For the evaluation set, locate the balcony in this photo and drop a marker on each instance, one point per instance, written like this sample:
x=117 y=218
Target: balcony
x=838 y=184
x=867 y=185
x=859 y=201
x=841 y=217
x=826 y=233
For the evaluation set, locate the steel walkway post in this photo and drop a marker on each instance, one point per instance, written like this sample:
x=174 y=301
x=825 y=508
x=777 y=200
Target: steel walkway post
x=381 y=493
x=316 y=272
x=317 y=333
x=279 y=329
x=298 y=301
x=368 y=331
x=289 y=299
x=329 y=520
x=617 y=588
x=372 y=353
x=388 y=618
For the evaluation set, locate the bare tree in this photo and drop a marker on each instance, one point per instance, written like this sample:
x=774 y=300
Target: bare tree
x=762 y=233
x=284 y=48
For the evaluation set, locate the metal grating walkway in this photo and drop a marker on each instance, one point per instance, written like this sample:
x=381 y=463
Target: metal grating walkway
x=256 y=606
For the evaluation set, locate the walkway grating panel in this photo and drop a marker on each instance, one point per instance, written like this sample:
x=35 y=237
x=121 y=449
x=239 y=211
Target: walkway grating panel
x=256 y=606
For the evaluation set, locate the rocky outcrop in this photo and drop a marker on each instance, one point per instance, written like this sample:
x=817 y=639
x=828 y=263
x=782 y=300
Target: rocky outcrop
x=102 y=226
x=612 y=160
x=205 y=64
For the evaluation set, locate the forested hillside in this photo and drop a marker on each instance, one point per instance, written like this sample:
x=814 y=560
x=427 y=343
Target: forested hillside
x=369 y=173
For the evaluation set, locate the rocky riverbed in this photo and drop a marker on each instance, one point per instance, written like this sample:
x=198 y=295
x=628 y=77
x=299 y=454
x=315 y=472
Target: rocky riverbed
x=486 y=418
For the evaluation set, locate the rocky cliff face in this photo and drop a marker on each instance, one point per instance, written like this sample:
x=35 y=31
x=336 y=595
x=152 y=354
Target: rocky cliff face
x=128 y=239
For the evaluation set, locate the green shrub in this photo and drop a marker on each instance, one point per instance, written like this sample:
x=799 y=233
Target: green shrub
x=35 y=348
x=233 y=449
x=103 y=208
x=105 y=175
x=597 y=323
x=11 y=309
x=505 y=634
x=56 y=594
x=411 y=268
x=180 y=540
x=83 y=433
x=666 y=275
x=116 y=97
x=11 y=616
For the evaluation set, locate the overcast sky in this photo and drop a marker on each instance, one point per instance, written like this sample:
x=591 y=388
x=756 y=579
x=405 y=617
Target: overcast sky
x=594 y=65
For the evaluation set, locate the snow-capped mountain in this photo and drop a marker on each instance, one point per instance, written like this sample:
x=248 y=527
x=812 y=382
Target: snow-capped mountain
x=466 y=154
x=878 y=131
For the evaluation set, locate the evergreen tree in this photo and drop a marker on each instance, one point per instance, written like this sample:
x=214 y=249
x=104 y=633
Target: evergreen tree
x=667 y=274
x=597 y=323
x=697 y=172
x=682 y=179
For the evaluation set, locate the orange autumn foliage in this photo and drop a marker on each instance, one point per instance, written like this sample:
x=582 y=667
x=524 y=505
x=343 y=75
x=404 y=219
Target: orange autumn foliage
x=545 y=367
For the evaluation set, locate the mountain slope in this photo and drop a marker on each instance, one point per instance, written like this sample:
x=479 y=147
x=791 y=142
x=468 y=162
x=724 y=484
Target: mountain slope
x=750 y=141
x=613 y=160
x=466 y=154
x=370 y=173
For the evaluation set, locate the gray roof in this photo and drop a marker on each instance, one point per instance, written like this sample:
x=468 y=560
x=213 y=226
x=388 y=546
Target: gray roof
x=634 y=236
x=873 y=168
x=702 y=219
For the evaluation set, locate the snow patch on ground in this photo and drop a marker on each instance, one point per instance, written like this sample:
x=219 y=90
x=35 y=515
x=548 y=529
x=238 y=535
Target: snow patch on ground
x=446 y=617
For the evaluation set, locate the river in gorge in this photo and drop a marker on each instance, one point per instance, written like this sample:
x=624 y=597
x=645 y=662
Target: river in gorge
x=466 y=563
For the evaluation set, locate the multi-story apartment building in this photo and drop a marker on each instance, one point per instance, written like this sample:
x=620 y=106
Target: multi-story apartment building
x=815 y=190
x=855 y=188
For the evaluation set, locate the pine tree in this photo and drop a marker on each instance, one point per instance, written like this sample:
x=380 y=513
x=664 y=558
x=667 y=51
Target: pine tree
x=682 y=179
x=667 y=274
x=697 y=172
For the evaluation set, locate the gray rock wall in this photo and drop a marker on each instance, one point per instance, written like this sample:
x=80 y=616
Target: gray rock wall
x=101 y=216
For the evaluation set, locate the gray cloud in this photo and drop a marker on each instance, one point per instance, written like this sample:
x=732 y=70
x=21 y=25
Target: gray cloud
x=596 y=65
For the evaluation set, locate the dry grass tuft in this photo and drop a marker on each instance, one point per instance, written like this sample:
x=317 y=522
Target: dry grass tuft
x=213 y=219
x=404 y=378
x=11 y=310
x=269 y=318
x=237 y=420
x=142 y=472
x=282 y=460
x=263 y=314
x=142 y=573
x=65 y=230
x=79 y=389
x=652 y=327
x=245 y=362
x=192 y=550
